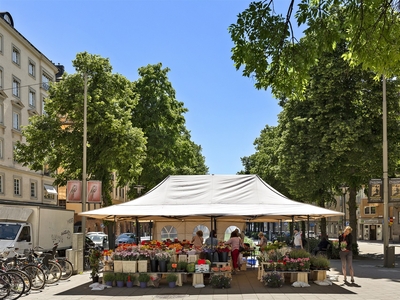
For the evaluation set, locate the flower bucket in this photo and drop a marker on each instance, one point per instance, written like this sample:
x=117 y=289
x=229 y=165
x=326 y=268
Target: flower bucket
x=143 y=284
x=129 y=284
x=172 y=284
x=163 y=265
x=154 y=265
x=118 y=266
x=223 y=256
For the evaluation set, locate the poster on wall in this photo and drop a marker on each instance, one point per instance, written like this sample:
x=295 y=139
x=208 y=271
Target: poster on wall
x=375 y=192
x=94 y=191
x=394 y=189
x=74 y=191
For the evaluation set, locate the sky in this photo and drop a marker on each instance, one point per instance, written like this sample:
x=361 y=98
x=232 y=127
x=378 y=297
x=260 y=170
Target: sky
x=190 y=37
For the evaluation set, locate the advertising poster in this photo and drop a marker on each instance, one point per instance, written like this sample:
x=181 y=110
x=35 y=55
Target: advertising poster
x=94 y=191
x=74 y=191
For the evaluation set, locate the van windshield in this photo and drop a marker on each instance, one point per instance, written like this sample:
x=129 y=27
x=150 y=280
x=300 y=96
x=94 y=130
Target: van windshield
x=9 y=231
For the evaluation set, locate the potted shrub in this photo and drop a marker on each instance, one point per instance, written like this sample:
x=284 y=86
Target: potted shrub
x=171 y=279
x=220 y=281
x=182 y=266
x=120 y=279
x=143 y=279
x=319 y=262
x=108 y=278
x=130 y=278
x=273 y=280
x=95 y=257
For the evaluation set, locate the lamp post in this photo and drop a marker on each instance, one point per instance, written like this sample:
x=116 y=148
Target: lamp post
x=344 y=192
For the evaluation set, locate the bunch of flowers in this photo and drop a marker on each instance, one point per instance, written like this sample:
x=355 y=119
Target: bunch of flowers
x=144 y=254
x=221 y=247
x=108 y=254
x=343 y=245
x=273 y=279
x=274 y=246
x=163 y=255
x=304 y=264
x=335 y=244
x=177 y=247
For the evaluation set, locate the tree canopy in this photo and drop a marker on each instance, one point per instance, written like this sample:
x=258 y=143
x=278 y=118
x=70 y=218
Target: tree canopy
x=55 y=138
x=267 y=49
x=170 y=150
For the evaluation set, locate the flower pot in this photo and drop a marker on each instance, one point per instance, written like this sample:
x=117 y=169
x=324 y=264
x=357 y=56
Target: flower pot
x=129 y=284
x=172 y=284
x=143 y=284
x=142 y=266
x=223 y=256
x=154 y=265
x=163 y=265
x=120 y=283
x=118 y=266
x=130 y=266
x=109 y=283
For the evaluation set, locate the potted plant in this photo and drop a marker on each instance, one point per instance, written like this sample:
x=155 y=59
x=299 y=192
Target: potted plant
x=130 y=278
x=94 y=259
x=108 y=278
x=220 y=281
x=171 y=279
x=120 y=279
x=319 y=262
x=182 y=266
x=273 y=280
x=143 y=279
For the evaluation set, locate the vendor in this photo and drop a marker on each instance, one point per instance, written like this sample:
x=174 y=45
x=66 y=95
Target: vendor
x=198 y=240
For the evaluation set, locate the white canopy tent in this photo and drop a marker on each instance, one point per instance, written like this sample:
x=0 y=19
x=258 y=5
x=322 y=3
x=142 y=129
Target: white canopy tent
x=223 y=197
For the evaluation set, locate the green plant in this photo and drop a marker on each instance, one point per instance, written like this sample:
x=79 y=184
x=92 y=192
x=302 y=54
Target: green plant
x=273 y=279
x=299 y=253
x=143 y=277
x=319 y=262
x=182 y=265
x=94 y=259
x=109 y=276
x=220 y=281
x=130 y=277
x=190 y=267
x=120 y=276
x=171 y=277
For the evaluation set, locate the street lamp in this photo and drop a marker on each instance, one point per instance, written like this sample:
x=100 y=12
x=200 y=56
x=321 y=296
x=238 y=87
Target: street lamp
x=344 y=189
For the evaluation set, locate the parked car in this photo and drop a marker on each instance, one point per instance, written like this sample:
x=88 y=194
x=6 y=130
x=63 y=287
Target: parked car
x=100 y=240
x=125 y=238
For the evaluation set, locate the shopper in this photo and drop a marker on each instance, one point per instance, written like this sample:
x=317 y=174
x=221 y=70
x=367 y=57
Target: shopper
x=346 y=252
x=235 y=242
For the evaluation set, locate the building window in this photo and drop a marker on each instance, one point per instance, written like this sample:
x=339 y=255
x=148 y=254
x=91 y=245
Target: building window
x=370 y=210
x=17 y=186
x=1 y=112
x=32 y=68
x=16 y=55
x=46 y=81
x=49 y=192
x=1 y=77
x=1 y=43
x=1 y=183
x=33 y=189
x=16 y=87
x=32 y=98
x=169 y=232
x=1 y=148
x=16 y=121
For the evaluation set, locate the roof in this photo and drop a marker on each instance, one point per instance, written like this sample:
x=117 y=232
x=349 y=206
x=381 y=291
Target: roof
x=184 y=197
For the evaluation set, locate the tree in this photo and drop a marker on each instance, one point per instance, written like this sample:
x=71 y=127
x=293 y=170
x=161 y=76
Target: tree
x=333 y=136
x=170 y=150
x=266 y=47
x=113 y=144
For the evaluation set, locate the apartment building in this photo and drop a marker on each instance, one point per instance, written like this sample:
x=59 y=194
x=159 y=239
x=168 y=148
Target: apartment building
x=25 y=73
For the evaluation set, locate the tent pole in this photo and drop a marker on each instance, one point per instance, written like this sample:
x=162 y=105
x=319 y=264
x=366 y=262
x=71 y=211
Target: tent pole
x=137 y=231
x=308 y=233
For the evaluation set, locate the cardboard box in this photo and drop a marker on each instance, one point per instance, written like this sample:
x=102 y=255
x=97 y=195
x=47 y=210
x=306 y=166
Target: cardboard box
x=201 y=268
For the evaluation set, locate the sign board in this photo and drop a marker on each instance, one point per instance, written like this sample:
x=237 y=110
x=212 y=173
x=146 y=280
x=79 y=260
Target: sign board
x=394 y=189
x=74 y=191
x=375 y=191
x=94 y=191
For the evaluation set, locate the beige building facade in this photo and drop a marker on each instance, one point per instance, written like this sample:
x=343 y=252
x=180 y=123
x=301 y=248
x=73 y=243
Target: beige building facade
x=25 y=74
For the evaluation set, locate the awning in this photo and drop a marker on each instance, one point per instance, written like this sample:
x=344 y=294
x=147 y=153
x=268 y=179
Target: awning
x=50 y=189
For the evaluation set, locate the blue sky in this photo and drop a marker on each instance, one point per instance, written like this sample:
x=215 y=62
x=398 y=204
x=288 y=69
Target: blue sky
x=190 y=37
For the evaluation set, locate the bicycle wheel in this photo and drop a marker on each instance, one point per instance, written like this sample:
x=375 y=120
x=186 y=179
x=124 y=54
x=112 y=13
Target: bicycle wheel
x=66 y=268
x=5 y=286
x=17 y=285
x=25 y=277
x=38 y=278
x=52 y=271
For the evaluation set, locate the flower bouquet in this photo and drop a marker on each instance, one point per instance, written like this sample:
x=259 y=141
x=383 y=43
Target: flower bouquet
x=220 y=281
x=273 y=280
x=343 y=245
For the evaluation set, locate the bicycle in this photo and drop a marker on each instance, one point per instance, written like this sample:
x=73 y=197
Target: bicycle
x=12 y=285
x=51 y=269
x=67 y=267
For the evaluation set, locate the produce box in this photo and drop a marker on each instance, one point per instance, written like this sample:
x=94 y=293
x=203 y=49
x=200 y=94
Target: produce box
x=202 y=268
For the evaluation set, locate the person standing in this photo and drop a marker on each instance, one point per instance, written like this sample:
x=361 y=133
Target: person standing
x=197 y=240
x=263 y=241
x=297 y=240
x=235 y=242
x=346 y=252
x=212 y=240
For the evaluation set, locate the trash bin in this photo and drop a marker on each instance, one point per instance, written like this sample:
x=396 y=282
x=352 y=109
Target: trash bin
x=390 y=257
